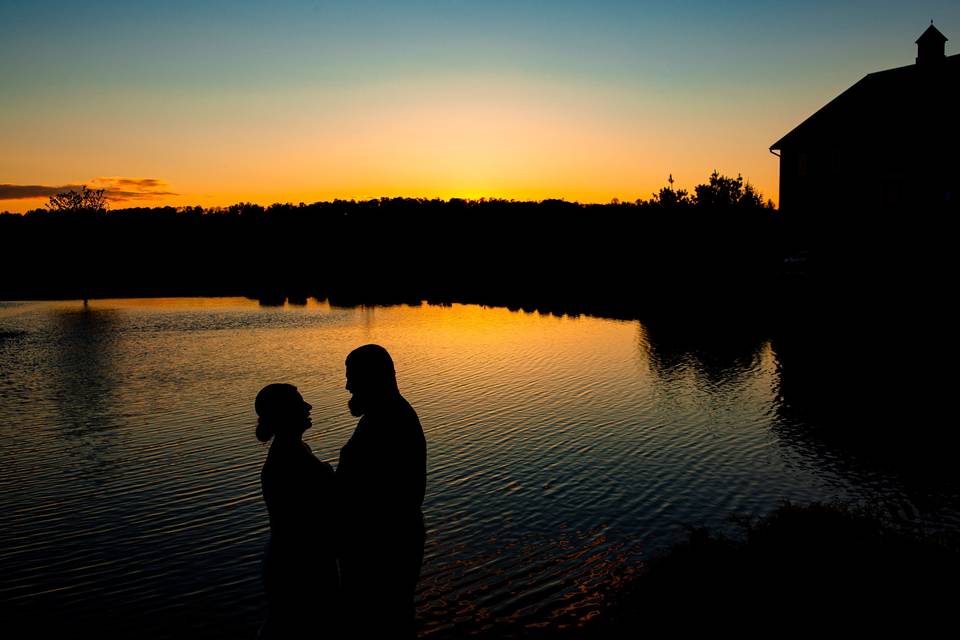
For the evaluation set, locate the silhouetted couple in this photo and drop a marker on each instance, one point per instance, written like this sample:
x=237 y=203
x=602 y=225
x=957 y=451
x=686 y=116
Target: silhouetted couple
x=345 y=547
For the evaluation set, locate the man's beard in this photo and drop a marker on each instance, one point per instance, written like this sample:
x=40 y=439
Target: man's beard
x=356 y=406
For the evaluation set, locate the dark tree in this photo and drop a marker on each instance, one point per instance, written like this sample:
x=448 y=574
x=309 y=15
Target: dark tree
x=723 y=192
x=83 y=201
x=669 y=198
x=86 y=204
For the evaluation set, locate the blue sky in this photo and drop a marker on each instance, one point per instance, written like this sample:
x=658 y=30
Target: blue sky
x=159 y=88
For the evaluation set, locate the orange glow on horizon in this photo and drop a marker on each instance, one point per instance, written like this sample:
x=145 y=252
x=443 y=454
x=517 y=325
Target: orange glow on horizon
x=471 y=140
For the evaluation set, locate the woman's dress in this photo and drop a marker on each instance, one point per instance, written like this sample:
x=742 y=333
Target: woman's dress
x=300 y=569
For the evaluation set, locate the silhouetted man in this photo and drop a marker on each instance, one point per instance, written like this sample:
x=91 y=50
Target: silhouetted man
x=381 y=479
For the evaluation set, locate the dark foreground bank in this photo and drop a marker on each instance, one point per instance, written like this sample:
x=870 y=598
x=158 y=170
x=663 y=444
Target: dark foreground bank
x=824 y=567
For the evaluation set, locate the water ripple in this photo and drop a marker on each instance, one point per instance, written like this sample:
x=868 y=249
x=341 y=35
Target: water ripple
x=562 y=453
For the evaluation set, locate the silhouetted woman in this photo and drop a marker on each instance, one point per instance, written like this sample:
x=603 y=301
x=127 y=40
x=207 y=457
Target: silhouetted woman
x=300 y=569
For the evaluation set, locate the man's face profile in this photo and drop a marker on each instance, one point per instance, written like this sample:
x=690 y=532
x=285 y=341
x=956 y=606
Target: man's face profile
x=370 y=378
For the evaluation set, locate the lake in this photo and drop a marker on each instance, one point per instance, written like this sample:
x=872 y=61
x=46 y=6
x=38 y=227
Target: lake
x=562 y=452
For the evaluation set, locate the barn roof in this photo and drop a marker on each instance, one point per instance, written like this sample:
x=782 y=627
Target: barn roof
x=932 y=34
x=892 y=106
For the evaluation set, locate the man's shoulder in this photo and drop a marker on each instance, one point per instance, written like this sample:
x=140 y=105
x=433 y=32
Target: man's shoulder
x=410 y=421
x=409 y=410
x=396 y=410
x=396 y=425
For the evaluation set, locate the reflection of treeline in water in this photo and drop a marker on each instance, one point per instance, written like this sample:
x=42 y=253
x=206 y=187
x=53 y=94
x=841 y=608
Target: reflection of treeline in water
x=496 y=251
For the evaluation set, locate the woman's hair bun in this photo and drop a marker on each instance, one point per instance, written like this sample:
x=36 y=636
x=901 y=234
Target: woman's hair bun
x=264 y=430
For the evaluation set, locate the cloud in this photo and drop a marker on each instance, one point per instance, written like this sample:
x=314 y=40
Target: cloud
x=26 y=191
x=116 y=189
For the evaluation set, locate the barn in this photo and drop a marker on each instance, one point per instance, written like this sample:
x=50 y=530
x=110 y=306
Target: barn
x=888 y=143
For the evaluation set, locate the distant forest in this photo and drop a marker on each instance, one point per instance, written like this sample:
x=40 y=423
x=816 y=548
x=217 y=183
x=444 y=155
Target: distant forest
x=493 y=251
x=720 y=242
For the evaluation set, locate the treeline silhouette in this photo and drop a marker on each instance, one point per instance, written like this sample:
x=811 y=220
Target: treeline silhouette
x=493 y=251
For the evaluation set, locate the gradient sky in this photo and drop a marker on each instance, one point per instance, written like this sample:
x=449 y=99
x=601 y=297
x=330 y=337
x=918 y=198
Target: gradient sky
x=213 y=103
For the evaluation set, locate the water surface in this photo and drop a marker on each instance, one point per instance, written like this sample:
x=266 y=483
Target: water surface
x=562 y=452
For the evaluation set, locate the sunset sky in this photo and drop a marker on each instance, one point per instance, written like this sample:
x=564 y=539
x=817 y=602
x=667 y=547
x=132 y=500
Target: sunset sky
x=212 y=103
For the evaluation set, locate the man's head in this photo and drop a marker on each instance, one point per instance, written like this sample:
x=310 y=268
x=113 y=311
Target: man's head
x=370 y=377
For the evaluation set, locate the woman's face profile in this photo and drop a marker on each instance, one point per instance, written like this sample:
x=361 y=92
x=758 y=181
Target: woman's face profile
x=300 y=410
x=282 y=406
